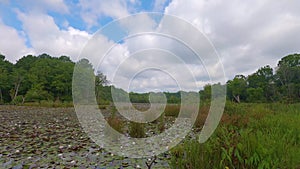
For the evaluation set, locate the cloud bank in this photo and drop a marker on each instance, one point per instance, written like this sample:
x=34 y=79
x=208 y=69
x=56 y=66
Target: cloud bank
x=246 y=34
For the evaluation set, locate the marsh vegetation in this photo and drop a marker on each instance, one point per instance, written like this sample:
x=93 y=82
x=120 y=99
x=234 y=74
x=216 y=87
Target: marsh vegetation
x=249 y=136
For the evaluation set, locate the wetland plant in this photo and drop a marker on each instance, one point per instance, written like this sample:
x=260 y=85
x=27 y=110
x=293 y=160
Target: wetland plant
x=136 y=130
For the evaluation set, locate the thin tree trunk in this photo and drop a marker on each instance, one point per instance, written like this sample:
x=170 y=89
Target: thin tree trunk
x=16 y=90
x=237 y=98
x=23 y=99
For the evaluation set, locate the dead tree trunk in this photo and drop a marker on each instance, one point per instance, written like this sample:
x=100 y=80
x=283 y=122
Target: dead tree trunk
x=16 y=90
x=237 y=98
x=23 y=99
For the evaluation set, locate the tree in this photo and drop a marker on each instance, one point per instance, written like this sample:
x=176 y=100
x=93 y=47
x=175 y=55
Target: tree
x=4 y=84
x=101 y=79
x=100 y=82
x=61 y=85
x=31 y=76
x=205 y=94
x=54 y=75
x=17 y=76
x=83 y=80
x=255 y=95
x=37 y=94
x=288 y=76
x=50 y=78
x=236 y=88
x=26 y=62
x=64 y=59
x=5 y=79
x=173 y=97
x=263 y=79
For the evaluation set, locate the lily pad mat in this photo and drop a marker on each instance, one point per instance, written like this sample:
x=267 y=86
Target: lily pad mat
x=37 y=137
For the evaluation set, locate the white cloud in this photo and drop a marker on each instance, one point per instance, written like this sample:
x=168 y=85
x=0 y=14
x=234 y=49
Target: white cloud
x=92 y=10
x=55 y=5
x=159 y=5
x=46 y=37
x=12 y=43
x=104 y=54
x=159 y=51
x=151 y=69
x=134 y=1
x=137 y=23
x=247 y=34
x=44 y=6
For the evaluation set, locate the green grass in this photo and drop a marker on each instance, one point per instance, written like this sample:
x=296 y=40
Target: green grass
x=270 y=138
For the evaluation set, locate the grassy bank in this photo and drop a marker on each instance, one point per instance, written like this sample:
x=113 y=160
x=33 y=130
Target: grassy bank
x=249 y=136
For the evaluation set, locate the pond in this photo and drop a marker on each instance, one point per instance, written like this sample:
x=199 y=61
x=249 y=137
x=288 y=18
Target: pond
x=36 y=137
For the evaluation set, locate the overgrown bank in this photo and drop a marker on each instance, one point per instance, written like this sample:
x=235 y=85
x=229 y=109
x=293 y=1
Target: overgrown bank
x=253 y=136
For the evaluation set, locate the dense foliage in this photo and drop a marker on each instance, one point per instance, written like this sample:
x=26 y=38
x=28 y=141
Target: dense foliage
x=36 y=78
x=46 y=78
x=250 y=135
x=266 y=84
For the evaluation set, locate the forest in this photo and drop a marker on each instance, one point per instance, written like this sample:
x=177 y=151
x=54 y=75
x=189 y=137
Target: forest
x=46 y=78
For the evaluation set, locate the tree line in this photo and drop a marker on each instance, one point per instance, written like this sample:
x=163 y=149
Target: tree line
x=36 y=78
x=47 y=78
x=281 y=84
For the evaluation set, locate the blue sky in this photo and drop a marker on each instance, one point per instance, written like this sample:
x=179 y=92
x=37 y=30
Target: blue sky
x=80 y=15
x=247 y=34
x=73 y=18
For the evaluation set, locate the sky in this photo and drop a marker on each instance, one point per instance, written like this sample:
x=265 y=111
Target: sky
x=246 y=35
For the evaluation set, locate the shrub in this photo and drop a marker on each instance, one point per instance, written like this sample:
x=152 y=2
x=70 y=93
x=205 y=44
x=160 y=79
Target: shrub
x=160 y=123
x=137 y=130
x=116 y=123
x=18 y=100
